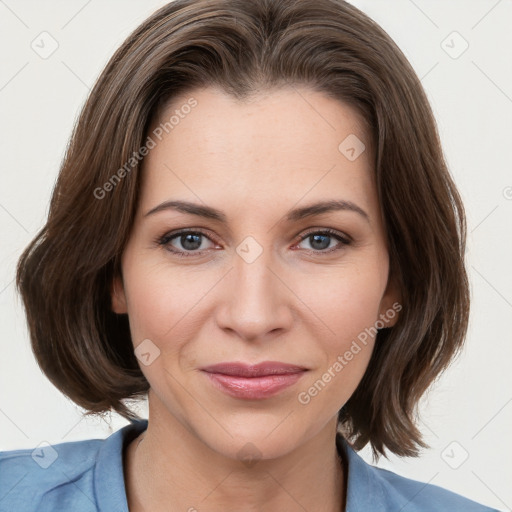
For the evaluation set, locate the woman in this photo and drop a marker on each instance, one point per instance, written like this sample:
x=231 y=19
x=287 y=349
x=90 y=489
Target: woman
x=254 y=225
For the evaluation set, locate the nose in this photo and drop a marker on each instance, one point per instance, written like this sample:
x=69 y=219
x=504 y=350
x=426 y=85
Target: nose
x=257 y=303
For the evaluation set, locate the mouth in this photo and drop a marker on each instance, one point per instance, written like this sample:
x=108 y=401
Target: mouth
x=253 y=381
x=263 y=369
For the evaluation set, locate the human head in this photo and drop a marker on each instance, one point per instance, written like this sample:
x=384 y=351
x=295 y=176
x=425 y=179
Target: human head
x=245 y=48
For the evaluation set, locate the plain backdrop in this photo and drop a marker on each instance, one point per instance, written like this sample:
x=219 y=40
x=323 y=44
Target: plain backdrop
x=461 y=51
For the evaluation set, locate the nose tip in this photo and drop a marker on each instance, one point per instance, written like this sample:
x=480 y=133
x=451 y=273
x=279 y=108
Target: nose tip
x=256 y=301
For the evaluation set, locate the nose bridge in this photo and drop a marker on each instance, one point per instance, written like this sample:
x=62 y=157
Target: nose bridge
x=257 y=301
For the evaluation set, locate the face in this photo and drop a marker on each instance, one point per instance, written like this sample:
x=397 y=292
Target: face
x=248 y=272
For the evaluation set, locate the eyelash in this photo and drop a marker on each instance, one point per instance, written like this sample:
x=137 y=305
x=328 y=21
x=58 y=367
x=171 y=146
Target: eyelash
x=165 y=239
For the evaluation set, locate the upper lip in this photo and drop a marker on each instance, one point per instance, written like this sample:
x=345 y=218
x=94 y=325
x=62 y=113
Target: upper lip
x=240 y=369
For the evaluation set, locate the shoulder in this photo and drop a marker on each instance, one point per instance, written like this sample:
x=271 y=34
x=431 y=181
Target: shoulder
x=78 y=476
x=49 y=477
x=415 y=496
x=378 y=489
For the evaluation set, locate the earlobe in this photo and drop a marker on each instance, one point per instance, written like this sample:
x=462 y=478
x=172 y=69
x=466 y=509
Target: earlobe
x=117 y=296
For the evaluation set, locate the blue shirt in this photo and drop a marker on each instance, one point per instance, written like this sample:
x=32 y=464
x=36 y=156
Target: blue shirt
x=87 y=476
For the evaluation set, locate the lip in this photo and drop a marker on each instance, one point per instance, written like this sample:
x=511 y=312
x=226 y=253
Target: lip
x=253 y=381
x=240 y=369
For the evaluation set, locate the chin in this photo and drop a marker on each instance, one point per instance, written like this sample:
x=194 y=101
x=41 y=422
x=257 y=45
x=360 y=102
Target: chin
x=253 y=440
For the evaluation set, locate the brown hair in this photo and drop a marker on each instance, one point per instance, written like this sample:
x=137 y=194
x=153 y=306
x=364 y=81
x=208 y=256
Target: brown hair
x=65 y=274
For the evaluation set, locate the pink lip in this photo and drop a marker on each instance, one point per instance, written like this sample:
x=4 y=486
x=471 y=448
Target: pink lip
x=253 y=370
x=253 y=382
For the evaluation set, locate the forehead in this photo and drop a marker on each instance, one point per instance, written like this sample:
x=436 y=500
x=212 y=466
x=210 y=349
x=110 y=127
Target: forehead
x=280 y=145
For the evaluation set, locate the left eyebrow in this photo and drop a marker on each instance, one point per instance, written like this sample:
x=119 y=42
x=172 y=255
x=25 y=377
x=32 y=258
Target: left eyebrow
x=325 y=207
x=292 y=216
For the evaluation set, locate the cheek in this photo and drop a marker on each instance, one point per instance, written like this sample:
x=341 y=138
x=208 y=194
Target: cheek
x=162 y=300
x=345 y=301
x=344 y=309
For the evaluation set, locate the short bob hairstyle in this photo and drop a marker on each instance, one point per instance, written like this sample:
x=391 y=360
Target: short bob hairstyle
x=64 y=275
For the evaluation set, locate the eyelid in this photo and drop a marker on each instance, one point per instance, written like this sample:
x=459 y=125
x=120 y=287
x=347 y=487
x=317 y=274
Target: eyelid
x=330 y=231
x=174 y=234
x=343 y=240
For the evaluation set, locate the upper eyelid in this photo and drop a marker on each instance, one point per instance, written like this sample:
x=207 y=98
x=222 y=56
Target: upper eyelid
x=298 y=238
x=174 y=234
x=329 y=231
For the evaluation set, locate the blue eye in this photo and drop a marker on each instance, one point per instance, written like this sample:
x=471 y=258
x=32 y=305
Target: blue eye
x=191 y=242
x=321 y=240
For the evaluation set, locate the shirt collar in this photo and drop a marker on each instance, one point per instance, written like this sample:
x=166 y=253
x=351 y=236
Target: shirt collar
x=363 y=491
x=109 y=471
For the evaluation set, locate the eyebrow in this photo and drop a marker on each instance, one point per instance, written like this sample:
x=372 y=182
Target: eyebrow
x=292 y=216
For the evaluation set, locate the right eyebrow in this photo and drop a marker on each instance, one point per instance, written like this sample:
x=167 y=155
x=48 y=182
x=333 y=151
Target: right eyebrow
x=191 y=208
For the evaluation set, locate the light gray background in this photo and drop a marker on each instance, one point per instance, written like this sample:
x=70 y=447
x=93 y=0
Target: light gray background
x=469 y=410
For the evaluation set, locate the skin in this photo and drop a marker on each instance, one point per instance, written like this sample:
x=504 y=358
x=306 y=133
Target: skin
x=295 y=303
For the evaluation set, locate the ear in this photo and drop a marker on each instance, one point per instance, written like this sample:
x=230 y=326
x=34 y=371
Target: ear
x=391 y=303
x=118 y=296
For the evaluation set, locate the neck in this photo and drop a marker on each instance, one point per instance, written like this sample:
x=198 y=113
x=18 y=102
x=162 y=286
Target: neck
x=173 y=470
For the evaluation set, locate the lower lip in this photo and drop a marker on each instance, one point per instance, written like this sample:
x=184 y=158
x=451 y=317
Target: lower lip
x=253 y=388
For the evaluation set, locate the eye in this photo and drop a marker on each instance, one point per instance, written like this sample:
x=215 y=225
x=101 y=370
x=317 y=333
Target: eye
x=188 y=241
x=321 y=240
